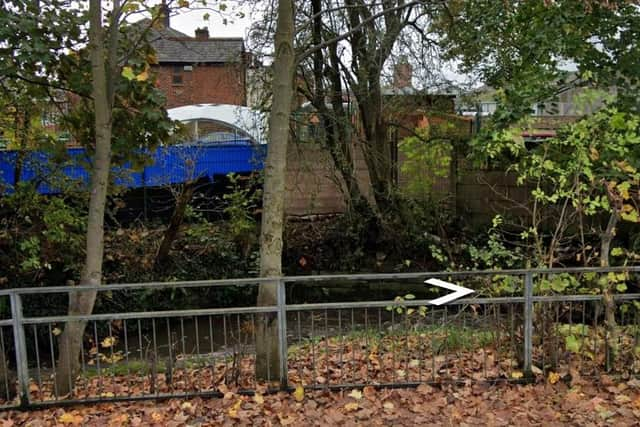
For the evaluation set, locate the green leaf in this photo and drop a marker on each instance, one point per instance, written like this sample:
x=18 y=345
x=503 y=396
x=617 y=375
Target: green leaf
x=621 y=287
x=127 y=73
x=572 y=343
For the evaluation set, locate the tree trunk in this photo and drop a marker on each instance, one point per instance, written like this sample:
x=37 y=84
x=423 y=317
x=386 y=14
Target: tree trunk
x=81 y=303
x=607 y=293
x=267 y=358
x=177 y=218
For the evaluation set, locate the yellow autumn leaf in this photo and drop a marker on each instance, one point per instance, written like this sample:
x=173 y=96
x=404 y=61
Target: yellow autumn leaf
x=157 y=417
x=553 y=377
x=56 y=331
x=388 y=406
x=298 y=394
x=353 y=406
x=233 y=411
x=258 y=398
x=69 y=418
x=143 y=76
x=516 y=375
x=108 y=342
x=356 y=394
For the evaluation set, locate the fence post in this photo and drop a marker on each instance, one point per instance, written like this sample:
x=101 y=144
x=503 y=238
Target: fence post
x=528 y=324
x=20 y=342
x=282 y=333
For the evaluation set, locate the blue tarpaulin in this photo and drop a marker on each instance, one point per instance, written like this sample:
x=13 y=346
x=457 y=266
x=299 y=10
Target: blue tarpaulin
x=170 y=165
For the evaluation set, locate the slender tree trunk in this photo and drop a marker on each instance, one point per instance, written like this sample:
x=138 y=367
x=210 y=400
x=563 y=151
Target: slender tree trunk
x=81 y=303
x=177 y=218
x=267 y=358
x=607 y=293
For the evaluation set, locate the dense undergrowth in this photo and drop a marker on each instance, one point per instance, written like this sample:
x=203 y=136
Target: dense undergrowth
x=41 y=244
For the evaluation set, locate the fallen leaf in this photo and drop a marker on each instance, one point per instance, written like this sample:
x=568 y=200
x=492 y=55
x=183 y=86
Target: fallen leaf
x=233 y=411
x=553 y=377
x=516 y=375
x=388 y=406
x=69 y=418
x=356 y=394
x=298 y=394
x=352 y=406
x=258 y=398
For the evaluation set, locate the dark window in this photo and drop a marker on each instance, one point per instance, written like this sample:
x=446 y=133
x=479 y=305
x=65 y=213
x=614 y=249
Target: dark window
x=177 y=75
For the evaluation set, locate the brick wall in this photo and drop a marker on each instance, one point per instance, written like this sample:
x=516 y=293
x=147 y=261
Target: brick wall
x=311 y=184
x=205 y=84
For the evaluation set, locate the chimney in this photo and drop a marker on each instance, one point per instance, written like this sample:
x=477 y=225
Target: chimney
x=402 y=74
x=202 y=33
x=165 y=17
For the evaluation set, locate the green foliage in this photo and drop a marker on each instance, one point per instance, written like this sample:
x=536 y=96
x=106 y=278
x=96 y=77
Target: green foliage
x=494 y=252
x=518 y=48
x=242 y=202
x=33 y=229
x=426 y=160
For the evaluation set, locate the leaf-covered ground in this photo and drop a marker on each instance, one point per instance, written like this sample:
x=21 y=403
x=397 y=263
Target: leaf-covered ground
x=582 y=403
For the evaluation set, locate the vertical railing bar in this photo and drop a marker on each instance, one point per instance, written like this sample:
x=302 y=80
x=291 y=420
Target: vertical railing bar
x=281 y=297
x=255 y=345
x=596 y=311
x=584 y=334
x=635 y=338
x=143 y=359
x=53 y=364
x=556 y=348
x=169 y=368
x=484 y=346
x=22 y=366
x=326 y=345
x=211 y=346
x=38 y=369
x=434 y=328
x=6 y=362
x=512 y=339
x=226 y=344
x=197 y=358
x=393 y=346
x=156 y=356
x=82 y=362
x=240 y=351
x=366 y=343
x=97 y=343
x=353 y=346
x=496 y=318
x=70 y=381
x=528 y=325
x=300 y=344
x=113 y=372
x=126 y=356
x=313 y=348
x=341 y=338
x=407 y=355
x=183 y=340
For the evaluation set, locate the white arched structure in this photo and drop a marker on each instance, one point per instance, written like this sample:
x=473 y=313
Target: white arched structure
x=246 y=121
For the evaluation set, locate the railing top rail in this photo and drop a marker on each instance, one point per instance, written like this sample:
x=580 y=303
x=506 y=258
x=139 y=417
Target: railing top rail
x=317 y=278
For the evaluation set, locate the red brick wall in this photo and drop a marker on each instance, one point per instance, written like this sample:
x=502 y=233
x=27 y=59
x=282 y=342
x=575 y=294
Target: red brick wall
x=205 y=84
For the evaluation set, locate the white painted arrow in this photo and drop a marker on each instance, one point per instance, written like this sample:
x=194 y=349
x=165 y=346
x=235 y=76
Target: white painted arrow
x=459 y=291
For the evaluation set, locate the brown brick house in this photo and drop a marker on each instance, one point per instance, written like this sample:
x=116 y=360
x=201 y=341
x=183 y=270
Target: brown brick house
x=200 y=69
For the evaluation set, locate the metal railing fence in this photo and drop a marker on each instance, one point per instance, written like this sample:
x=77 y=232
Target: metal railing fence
x=545 y=322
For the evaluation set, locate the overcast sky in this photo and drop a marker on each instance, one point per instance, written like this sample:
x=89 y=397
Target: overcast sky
x=187 y=21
